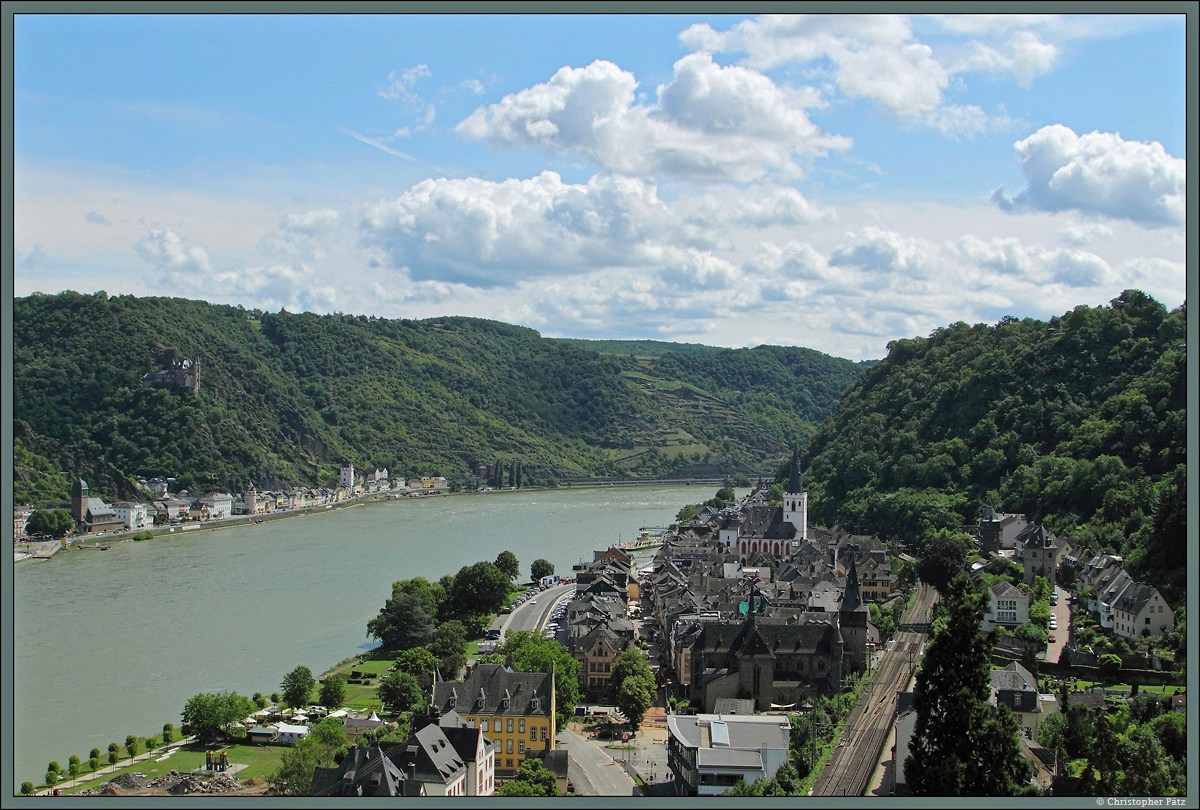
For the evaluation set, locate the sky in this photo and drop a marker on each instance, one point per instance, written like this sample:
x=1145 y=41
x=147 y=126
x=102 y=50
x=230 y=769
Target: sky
x=833 y=182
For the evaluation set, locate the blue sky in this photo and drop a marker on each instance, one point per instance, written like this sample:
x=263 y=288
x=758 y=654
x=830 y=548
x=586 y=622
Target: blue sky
x=834 y=182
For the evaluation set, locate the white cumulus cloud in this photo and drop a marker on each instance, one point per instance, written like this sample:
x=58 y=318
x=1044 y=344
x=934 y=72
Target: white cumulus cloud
x=1099 y=173
x=710 y=122
x=190 y=269
x=880 y=59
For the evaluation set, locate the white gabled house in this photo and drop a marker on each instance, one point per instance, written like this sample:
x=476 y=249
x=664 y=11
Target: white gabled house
x=1008 y=606
x=1141 y=611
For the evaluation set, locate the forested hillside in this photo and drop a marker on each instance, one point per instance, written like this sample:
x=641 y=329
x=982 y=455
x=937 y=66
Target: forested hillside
x=1080 y=423
x=283 y=398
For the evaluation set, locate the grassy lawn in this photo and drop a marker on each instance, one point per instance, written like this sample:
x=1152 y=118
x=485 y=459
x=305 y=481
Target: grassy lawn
x=375 y=667
x=260 y=761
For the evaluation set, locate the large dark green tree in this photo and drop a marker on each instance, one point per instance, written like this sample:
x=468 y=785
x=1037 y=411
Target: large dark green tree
x=961 y=746
x=399 y=692
x=333 y=692
x=945 y=555
x=51 y=522
x=404 y=622
x=209 y=715
x=417 y=661
x=297 y=687
x=507 y=562
x=449 y=644
x=540 y=568
x=478 y=589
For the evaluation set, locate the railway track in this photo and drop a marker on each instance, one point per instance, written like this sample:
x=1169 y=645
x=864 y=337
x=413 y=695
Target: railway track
x=848 y=770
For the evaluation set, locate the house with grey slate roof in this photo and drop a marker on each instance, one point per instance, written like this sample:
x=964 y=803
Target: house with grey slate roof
x=1017 y=689
x=1140 y=611
x=366 y=770
x=515 y=710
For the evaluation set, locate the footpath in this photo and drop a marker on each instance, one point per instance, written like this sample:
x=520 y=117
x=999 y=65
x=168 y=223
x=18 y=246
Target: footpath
x=158 y=754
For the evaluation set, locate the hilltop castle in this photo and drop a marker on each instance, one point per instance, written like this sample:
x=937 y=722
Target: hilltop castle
x=169 y=368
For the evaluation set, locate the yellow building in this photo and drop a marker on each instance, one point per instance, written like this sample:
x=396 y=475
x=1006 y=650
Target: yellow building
x=877 y=580
x=514 y=710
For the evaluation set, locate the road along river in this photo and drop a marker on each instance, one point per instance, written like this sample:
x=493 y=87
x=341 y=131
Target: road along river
x=111 y=643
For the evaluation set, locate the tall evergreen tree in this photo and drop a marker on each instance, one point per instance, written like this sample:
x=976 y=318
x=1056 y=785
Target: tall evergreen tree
x=961 y=746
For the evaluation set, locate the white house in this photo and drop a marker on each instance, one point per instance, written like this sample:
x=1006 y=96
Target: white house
x=220 y=505
x=1141 y=611
x=1008 y=606
x=709 y=753
x=135 y=516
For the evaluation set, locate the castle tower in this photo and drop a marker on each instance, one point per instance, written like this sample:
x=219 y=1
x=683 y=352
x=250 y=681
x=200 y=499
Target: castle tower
x=346 y=478
x=795 y=500
x=79 y=500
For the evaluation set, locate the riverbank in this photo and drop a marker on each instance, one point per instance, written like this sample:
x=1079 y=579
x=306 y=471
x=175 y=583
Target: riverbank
x=46 y=549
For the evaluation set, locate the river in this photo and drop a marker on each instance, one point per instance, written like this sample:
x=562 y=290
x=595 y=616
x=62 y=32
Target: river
x=111 y=643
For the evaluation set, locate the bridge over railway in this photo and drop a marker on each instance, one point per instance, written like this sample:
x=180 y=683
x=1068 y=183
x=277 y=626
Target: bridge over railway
x=848 y=770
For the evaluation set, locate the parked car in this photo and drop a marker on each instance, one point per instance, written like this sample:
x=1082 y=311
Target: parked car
x=1051 y=638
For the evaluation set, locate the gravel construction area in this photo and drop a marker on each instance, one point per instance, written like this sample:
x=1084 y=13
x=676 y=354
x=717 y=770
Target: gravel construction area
x=176 y=784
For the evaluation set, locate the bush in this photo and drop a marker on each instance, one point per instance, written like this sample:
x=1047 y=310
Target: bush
x=27 y=788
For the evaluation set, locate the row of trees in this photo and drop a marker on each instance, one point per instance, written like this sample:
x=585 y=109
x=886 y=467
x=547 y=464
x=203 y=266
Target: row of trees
x=134 y=745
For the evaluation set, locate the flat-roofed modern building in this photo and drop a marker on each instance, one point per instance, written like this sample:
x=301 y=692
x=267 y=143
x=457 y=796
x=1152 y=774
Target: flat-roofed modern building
x=709 y=753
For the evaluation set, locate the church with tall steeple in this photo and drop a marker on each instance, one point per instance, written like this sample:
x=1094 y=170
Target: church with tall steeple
x=773 y=530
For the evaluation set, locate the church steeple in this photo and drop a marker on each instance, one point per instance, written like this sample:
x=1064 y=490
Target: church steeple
x=795 y=500
x=852 y=598
x=794 y=472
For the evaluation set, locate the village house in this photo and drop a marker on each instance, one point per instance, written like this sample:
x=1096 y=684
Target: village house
x=1140 y=611
x=21 y=516
x=134 y=516
x=1017 y=689
x=515 y=710
x=220 y=505
x=710 y=753
x=366 y=770
x=1008 y=606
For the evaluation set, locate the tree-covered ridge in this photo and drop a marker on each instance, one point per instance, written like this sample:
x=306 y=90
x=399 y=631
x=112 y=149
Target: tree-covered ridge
x=789 y=389
x=1078 y=423
x=283 y=398
x=641 y=348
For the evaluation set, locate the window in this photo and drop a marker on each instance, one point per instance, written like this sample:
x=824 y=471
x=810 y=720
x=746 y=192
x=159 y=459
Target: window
x=508 y=750
x=520 y=746
x=521 y=725
x=510 y=727
x=543 y=733
x=508 y=762
x=533 y=733
x=483 y=724
x=1147 y=620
